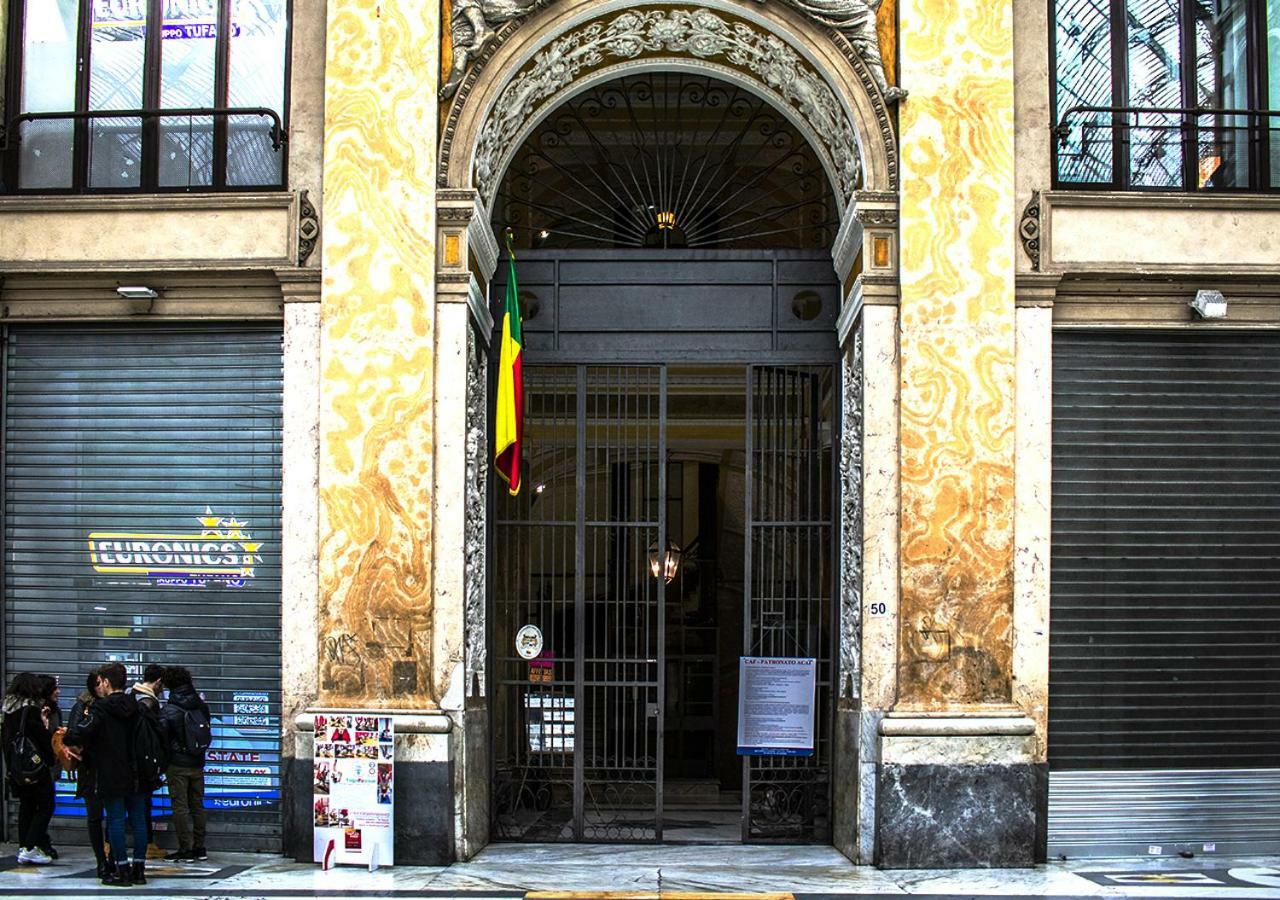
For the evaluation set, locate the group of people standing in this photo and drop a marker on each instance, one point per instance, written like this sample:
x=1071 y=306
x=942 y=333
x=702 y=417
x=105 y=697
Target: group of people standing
x=123 y=745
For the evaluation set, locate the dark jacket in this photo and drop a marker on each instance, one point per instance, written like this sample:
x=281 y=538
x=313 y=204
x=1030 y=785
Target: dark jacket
x=23 y=716
x=174 y=718
x=147 y=700
x=84 y=772
x=106 y=734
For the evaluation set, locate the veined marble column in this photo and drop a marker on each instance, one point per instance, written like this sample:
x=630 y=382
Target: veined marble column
x=956 y=785
x=377 y=355
x=377 y=395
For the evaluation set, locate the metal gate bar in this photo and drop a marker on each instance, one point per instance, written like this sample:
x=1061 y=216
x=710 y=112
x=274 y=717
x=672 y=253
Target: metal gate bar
x=624 y=519
x=579 y=756
x=535 y=552
x=788 y=583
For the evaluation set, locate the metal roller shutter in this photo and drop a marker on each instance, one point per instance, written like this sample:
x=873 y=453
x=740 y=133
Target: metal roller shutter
x=1164 y=699
x=142 y=524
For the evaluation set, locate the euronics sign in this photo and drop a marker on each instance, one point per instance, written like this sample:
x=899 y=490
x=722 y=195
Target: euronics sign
x=223 y=550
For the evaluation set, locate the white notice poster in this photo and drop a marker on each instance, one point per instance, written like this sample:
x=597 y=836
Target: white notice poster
x=353 y=793
x=775 y=706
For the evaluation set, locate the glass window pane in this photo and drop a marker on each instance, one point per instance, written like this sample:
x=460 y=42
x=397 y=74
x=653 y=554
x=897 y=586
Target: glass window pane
x=1272 y=9
x=188 y=61
x=259 y=31
x=1083 y=29
x=1222 y=81
x=115 y=82
x=1155 y=67
x=48 y=85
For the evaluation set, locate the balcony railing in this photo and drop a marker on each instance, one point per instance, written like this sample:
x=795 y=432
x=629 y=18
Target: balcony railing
x=143 y=150
x=1192 y=149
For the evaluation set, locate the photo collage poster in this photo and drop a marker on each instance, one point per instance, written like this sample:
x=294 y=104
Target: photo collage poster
x=354 y=788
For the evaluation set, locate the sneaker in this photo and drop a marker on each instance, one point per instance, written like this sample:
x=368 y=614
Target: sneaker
x=179 y=856
x=36 y=857
x=199 y=854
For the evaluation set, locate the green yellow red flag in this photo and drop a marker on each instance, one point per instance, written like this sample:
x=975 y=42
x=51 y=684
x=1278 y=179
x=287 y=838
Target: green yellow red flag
x=509 y=417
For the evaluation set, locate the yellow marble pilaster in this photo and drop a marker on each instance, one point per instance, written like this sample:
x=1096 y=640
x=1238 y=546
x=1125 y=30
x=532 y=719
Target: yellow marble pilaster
x=377 y=332
x=957 y=352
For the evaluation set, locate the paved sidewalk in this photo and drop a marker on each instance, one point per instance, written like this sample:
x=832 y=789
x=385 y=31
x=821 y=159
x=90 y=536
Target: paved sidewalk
x=725 y=872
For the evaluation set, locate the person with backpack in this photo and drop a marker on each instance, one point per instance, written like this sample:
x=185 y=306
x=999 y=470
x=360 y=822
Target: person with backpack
x=146 y=690
x=127 y=750
x=85 y=781
x=189 y=730
x=28 y=744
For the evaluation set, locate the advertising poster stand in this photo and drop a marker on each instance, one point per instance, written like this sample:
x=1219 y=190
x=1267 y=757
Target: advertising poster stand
x=353 y=790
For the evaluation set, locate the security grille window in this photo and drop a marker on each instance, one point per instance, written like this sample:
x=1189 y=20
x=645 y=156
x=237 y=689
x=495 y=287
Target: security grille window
x=146 y=95
x=142 y=525
x=1167 y=94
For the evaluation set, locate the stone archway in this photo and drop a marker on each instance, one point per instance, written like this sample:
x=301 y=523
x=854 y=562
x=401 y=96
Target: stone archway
x=809 y=73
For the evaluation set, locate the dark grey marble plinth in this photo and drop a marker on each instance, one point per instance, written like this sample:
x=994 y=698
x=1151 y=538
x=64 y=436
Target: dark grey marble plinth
x=956 y=816
x=424 y=814
x=296 y=823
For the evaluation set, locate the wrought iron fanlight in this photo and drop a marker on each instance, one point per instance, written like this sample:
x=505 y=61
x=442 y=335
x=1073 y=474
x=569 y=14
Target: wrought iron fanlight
x=667 y=160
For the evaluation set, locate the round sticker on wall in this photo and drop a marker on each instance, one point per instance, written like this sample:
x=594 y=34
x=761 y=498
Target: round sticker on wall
x=529 y=641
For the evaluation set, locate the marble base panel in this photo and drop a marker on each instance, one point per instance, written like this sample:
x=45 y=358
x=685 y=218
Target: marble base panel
x=423 y=813
x=295 y=801
x=931 y=816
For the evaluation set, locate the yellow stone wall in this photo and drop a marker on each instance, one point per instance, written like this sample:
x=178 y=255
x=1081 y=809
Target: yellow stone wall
x=957 y=351
x=377 y=330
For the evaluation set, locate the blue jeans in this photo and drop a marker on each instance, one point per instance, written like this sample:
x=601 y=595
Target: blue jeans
x=135 y=806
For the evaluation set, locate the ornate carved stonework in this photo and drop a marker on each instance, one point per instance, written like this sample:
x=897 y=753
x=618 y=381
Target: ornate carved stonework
x=881 y=217
x=855 y=20
x=455 y=215
x=474 y=524
x=473 y=25
x=1029 y=230
x=694 y=32
x=308 y=228
x=851 y=521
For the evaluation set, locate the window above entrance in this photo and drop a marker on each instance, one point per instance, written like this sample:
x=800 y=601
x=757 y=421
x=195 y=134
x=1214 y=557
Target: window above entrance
x=667 y=160
x=1167 y=94
x=145 y=95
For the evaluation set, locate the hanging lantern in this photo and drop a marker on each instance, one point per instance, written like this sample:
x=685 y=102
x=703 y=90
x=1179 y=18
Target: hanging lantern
x=664 y=564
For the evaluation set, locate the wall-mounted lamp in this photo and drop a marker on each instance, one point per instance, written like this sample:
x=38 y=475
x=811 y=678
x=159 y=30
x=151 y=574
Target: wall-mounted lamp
x=664 y=564
x=1209 y=305
x=137 y=292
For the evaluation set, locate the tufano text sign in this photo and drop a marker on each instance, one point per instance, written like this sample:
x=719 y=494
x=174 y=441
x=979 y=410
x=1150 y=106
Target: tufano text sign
x=776 y=699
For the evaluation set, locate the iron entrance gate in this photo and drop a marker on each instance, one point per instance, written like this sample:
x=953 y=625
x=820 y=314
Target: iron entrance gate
x=789 y=586
x=578 y=729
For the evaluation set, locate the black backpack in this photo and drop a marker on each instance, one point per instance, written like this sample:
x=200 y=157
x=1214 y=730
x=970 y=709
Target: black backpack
x=150 y=753
x=197 y=732
x=24 y=761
